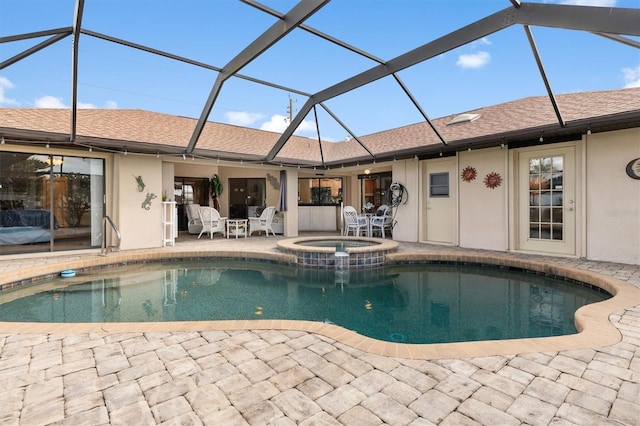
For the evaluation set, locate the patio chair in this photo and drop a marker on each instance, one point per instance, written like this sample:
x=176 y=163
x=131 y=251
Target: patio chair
x=194 y=224
x=381 y=221
x=211 y=221
x=354 y=222
x=262 y=223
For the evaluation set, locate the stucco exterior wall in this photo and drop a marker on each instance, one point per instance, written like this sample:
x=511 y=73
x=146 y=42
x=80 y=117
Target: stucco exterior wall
x=609 y=222
x=140 y=228
x=407 y=215
x=291 y=215
x=483 y=213
x=612 y=197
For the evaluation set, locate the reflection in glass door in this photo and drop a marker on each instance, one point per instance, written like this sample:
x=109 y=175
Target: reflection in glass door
x=50 y=202
x=547 y=210
x=546 y=197
x=246 y=197
x=374 y=189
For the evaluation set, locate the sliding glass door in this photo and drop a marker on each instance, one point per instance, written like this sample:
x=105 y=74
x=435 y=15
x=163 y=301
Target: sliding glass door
x=247 y=197
x=50 y=202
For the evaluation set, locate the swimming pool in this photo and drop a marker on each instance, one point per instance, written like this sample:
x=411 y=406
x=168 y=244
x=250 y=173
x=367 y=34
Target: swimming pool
x=401 y=303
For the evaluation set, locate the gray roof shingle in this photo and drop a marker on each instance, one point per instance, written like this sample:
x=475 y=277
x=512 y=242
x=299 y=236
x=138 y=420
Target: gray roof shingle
x=169 y=133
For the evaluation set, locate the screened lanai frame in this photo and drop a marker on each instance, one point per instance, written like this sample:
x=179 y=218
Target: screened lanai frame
x=616 y=24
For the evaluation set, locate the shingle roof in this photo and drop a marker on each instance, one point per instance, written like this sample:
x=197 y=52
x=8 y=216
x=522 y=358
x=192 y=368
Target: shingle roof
x=512 y=118
x=150 y=131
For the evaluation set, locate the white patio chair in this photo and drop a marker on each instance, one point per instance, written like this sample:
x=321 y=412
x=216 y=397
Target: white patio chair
x=194 y=224
x=262 y=223
x=354 y=222
x=381 y=221
x=211 y=221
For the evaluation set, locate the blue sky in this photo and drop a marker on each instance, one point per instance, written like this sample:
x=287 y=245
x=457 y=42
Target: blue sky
x=496 y=69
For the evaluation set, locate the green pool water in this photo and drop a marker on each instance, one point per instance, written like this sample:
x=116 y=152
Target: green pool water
x=408 y=303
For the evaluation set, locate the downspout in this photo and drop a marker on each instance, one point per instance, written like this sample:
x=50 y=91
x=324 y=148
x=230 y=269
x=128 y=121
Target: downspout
x=508 y=189
x=456 y=241
x=583 y=201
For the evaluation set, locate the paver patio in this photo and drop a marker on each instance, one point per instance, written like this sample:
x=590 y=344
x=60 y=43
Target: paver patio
x=286 y=377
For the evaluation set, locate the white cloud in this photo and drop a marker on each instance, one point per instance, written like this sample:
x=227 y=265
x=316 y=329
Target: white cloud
x=306 y=126
x=49 y=102
x=475 y=60
x=242 y=118
x=483 y=40
x=55 y=102
x=5 y=84
x=279 y=124
x=600 y=3
x=631 y=77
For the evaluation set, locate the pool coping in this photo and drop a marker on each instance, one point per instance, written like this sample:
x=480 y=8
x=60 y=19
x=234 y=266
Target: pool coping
x=365 y=257
x=592 y=321
x=382 y=244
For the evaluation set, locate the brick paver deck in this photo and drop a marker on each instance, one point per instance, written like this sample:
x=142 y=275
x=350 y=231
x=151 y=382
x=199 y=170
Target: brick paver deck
x=286 y=376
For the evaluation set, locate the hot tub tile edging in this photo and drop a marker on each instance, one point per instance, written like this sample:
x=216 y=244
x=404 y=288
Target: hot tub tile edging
x=325 y=257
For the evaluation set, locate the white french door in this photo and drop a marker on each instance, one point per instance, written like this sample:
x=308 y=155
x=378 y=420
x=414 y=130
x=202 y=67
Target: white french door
x=547 y=208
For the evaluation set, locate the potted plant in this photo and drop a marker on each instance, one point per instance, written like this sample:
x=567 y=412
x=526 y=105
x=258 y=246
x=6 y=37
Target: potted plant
x=215 y=189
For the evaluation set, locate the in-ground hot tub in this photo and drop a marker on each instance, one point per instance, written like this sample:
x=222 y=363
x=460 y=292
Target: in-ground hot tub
x=338 y=252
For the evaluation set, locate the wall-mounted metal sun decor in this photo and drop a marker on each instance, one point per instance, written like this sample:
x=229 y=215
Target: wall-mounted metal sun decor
x=493 y=180
x=468 y=174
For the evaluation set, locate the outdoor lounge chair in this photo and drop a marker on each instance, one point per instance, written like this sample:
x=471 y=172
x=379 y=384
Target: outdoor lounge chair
x=211 y=221
x=194 y=224
x=262 y=223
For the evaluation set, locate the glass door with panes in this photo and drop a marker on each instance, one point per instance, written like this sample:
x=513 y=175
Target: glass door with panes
x=547 y=208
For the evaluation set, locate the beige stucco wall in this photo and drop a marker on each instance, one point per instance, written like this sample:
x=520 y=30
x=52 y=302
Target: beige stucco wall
x=291 y=215
x=610 y=219
x=612 y=197
x=140 y=228
x=482 y=216
x=194 y=169
x=407 y=215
